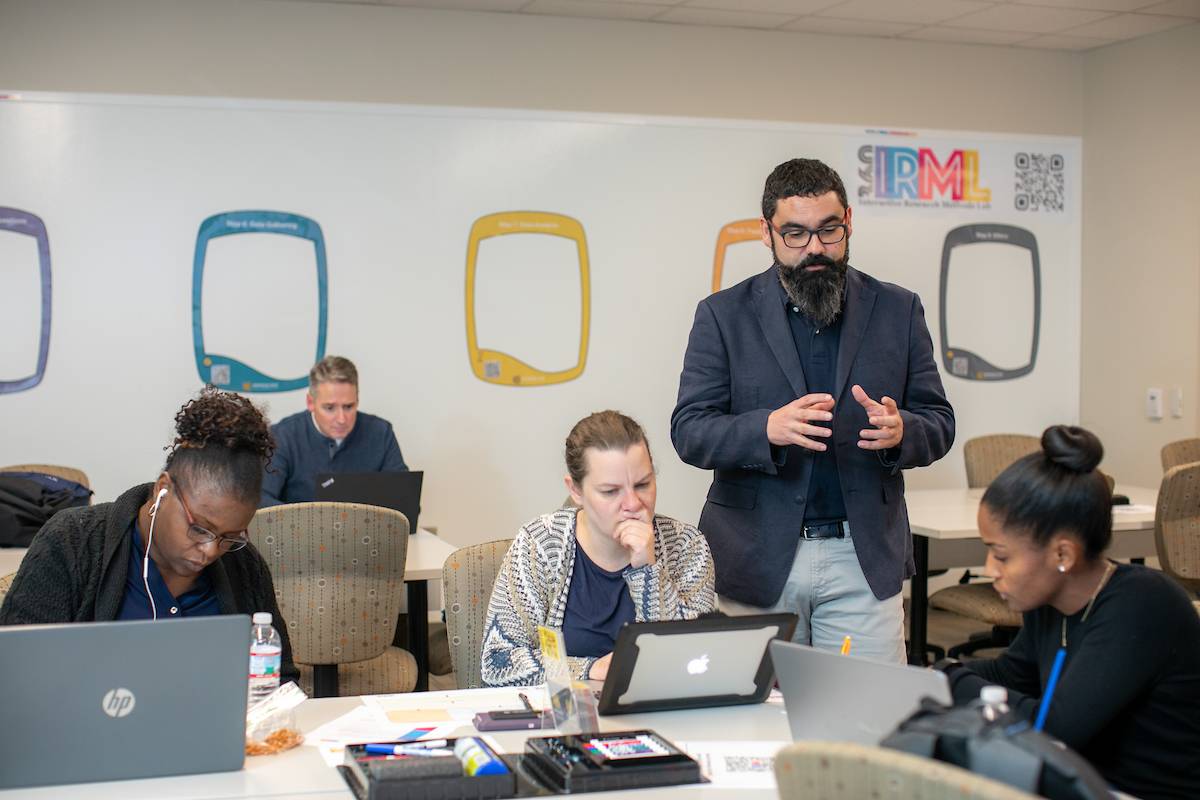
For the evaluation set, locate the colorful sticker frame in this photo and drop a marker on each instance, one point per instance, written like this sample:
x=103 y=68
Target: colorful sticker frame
x=962 y=363
x=743 y=230
x=227 y=372
x=495 y=366
x=23 y=222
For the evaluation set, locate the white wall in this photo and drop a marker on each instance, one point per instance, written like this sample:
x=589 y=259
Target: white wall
x=1141 y=245
x=348 y=52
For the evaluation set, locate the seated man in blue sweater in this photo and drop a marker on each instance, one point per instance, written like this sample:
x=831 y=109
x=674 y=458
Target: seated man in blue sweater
x=331 y=436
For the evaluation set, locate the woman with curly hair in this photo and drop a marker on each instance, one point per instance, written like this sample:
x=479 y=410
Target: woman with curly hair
x=177 y=547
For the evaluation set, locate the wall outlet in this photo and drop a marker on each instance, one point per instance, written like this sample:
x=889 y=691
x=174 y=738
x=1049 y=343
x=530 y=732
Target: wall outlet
x=1154 y=403
x=1177 y=403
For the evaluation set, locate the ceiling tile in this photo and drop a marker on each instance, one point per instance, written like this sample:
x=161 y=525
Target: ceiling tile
x=1056 y=41
x=1128 y=26
x=936 y=33
x=848 y=27
x=915 y=12
x=791 y=7
x=711 y=16
x=592 y=8
x=1178 y=8
x=1094 y=5
x=1029 y=19
x=659 y=3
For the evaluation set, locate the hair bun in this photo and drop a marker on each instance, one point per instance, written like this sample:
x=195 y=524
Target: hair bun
x=222 y=419
x=1071 y=447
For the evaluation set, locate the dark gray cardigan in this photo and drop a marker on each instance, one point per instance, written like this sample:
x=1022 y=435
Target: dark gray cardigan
x=77 y=565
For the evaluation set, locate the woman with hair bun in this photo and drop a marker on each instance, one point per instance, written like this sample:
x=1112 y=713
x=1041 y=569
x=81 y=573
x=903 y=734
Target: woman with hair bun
x=1128 y=695
x=187 y=529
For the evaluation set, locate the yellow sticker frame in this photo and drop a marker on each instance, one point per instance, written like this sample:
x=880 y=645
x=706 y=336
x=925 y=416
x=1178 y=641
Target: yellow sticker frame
x=495 y=366
x=743 y=230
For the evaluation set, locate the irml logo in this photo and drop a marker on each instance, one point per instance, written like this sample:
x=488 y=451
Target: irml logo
x=118 y=703
x=915 y=176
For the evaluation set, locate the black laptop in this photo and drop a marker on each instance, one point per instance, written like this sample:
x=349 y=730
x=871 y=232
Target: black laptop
x=397 y=490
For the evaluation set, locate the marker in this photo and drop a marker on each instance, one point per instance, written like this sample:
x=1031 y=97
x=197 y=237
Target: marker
x=846 y=646
x=406 y=750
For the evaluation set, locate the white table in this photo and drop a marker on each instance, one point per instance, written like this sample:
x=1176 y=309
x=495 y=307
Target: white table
x=946 y=534
x=423 y=563
x=301 y=773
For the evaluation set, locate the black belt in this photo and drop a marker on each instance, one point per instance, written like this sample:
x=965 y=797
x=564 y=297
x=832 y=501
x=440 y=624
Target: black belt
x=832 y=530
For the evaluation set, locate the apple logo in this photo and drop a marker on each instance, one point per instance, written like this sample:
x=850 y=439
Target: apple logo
x=698 y=666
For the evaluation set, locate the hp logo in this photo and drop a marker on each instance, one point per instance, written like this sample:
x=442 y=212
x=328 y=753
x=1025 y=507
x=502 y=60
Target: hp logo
x=118 y=703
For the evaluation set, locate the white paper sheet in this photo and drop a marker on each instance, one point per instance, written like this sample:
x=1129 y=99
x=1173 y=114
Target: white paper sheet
x=736 y=764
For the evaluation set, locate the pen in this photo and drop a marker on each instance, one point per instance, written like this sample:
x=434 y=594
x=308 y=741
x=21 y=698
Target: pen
x=525 y=700
x=846 y=646
x=407 y=750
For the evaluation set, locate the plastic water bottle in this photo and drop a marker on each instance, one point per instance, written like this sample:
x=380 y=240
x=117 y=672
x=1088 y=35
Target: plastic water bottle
x=266 y=653
x=995 y=702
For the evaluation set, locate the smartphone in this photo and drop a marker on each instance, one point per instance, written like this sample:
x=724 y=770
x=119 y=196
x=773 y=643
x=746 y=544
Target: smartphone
x=521 y=720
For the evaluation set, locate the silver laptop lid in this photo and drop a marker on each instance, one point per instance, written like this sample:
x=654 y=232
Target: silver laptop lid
x=709 y=661
x=839 y=698
x=112 y=700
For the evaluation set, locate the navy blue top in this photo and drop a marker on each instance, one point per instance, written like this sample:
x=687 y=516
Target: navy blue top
x=199 y=601
x=818 y=348
x=302 y=452
x=598 y=604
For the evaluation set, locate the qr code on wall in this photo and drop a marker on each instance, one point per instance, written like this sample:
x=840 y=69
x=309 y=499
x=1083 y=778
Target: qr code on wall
x=1040 y=182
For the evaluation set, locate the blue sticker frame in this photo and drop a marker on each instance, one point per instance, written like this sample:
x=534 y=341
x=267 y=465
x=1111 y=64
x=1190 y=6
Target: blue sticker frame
x=227 y=372
x=23 y=222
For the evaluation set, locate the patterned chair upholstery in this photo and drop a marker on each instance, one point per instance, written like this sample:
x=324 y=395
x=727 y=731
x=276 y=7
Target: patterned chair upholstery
x=986 y=457
x=5 y=584
x=848 y=771
x=338 y=570
x=1185 y=451
x=1177 y=525
x=467 y=579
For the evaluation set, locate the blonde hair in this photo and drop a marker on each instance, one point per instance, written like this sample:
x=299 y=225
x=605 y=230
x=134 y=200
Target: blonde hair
x=603 y=430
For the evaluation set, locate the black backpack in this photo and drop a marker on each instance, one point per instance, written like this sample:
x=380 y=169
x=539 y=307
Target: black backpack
x=1006 y=749
x=28 y=502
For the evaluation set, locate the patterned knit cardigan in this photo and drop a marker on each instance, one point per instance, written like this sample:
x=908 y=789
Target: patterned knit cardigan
x=534 y=580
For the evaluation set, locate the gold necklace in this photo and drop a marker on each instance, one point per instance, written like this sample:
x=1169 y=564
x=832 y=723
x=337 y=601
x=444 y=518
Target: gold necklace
x=1108 y=571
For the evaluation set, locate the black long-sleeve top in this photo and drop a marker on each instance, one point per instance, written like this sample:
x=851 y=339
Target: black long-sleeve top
x=1128 y=699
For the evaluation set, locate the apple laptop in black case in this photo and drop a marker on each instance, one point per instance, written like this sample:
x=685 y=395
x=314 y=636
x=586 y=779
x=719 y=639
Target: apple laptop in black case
x=101 y=701
x=396 y=490
x=839 y=698
x=710 y=661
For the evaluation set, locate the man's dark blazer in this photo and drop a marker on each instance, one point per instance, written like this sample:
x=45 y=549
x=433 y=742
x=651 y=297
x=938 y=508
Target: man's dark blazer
x=741 y=364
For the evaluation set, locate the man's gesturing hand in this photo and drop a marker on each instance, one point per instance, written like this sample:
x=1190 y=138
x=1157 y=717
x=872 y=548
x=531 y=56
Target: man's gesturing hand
x=889 y=425
x=793 y=424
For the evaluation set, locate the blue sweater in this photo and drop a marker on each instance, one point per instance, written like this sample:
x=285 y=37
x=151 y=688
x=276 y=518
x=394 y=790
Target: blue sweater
x=302 y=452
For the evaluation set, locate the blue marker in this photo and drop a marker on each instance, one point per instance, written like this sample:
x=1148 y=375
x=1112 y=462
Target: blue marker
x=407 y=750
x=1051 y=685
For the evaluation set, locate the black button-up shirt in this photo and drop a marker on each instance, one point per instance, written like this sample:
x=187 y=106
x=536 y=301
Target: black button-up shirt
x=818 y=349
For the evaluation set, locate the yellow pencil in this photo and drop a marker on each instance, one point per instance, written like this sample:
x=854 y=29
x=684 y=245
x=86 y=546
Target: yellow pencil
x=846 y=646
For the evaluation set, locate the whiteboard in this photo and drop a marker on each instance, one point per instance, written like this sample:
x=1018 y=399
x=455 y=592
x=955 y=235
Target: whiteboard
x=123 y=184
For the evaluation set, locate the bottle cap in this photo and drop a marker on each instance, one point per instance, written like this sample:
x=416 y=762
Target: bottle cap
x=262 y=618
x=993 y=695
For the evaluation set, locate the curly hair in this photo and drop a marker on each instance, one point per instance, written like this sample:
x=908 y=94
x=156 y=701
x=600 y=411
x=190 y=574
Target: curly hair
x=222 y=440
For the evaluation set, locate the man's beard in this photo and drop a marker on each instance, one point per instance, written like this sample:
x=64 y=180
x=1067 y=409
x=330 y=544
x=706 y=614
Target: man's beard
x=817 y=294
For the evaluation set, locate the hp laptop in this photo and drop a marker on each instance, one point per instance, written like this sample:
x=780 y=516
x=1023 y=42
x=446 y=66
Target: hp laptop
x=710 y=661
x=396 y=490
x=839 y=698
x=104 y=701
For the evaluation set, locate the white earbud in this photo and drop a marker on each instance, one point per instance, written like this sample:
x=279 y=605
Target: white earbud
x=146 y=556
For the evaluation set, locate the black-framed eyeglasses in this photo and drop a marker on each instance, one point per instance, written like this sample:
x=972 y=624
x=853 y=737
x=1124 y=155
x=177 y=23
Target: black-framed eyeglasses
x=799 y=238
x=198 y=533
